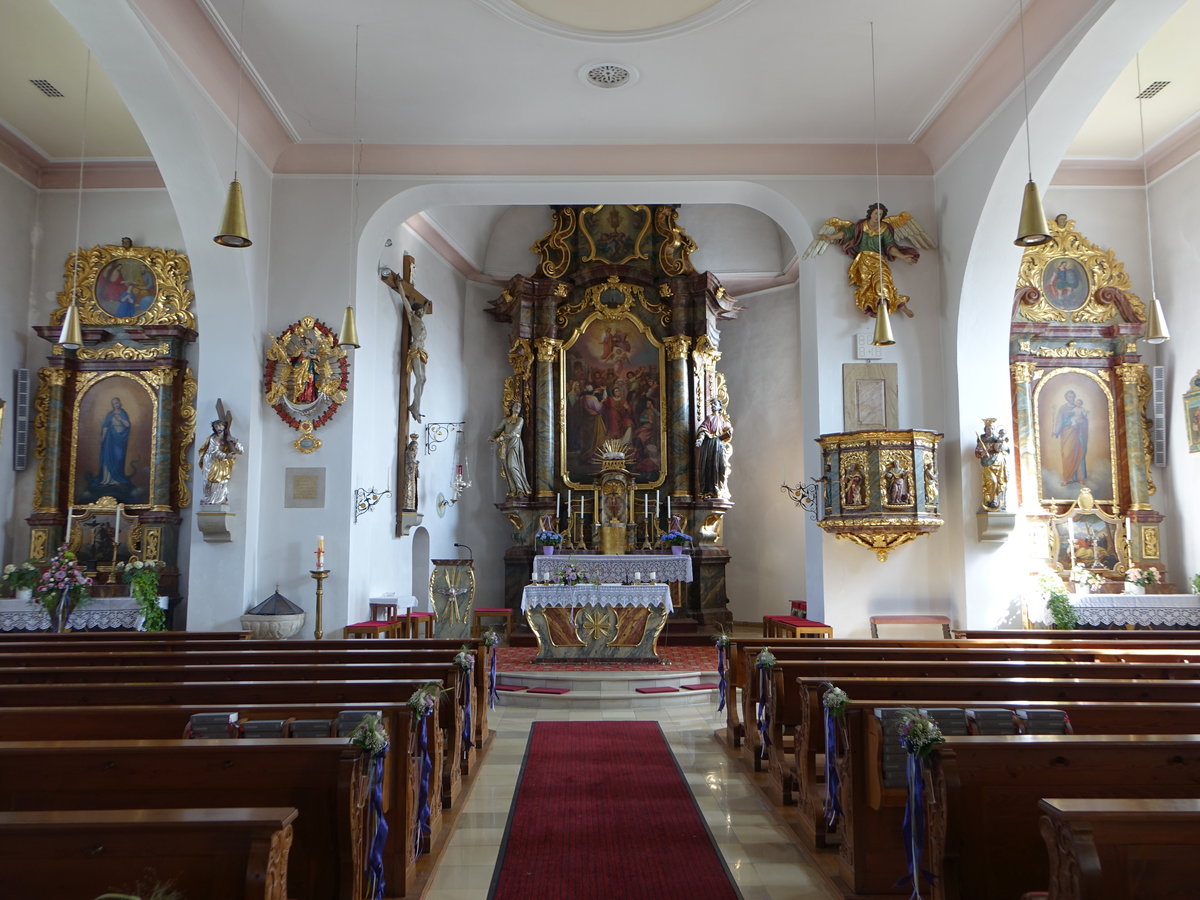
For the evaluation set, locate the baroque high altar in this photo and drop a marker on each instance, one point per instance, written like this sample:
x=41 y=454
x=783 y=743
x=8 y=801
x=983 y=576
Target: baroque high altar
x=614 y=347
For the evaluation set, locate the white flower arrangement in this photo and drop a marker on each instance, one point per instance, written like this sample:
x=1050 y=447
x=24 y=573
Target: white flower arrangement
x=1144 y=577
x=1081 y=574
x=765 y=658
x=723 y=639
x=424 y=700
x=834 y=699
x=370 y=735
x=491 y=638
x=465 y=659
x=919 y=734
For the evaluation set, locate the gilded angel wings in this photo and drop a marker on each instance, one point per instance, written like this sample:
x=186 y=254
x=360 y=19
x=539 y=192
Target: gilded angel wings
x=906 y=229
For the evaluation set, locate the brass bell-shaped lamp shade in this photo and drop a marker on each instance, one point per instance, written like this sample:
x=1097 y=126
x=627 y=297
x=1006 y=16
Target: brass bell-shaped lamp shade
x=71 y=336
x=1156 y=325
x=883 y=326
x=233 y=224
x=1032 y=230
x=348 y=336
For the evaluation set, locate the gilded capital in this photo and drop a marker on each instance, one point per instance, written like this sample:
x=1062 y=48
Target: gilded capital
x=1131 y=373
x=162 y=376
x=1023 y=372
x=53 y=376
x=547 y=349
x=677 y=346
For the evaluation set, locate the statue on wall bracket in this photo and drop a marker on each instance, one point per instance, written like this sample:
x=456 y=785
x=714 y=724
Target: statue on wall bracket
x=306 y=378
x=872 y=242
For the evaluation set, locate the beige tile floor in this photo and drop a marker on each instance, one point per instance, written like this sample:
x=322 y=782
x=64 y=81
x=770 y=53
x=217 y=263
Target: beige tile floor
x=757 y=847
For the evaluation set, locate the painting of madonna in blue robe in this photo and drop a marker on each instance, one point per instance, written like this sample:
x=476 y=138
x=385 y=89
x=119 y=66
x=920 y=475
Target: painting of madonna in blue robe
x=113 y=456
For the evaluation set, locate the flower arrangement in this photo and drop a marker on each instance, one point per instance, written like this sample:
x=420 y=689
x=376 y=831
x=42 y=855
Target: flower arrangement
x=919 y=734
x=571 y=575
x=142 y=578
x=424 y=699
x=1196 y=584
x=723 y=639
x=765 y=658
x=1058 y=602
x=491 y=638
x=1144 y=577
x=20 y=577
x=676 y=538
x=62 y=581
x=370 y=735
x=547 y=538
x=834 y=699
x=1081 y=574
x=465 y=659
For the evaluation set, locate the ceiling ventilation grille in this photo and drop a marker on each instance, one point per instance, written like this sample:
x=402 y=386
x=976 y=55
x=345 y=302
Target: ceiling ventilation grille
x=1151 y=89
x=46 y=87
x=608 y=75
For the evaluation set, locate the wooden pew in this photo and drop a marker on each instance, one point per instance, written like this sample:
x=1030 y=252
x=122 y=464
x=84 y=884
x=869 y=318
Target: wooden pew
x=402 y=765
x=323 y=778
x=983 y=814
x=1121 y=849
x=1084 y=634
x=237 y=853
x=16 y=637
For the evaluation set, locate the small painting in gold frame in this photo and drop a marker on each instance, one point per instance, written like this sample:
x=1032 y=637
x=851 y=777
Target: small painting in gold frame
x=122 y=284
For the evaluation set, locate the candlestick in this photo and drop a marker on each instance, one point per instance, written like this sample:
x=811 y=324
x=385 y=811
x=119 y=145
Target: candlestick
x=319 y=575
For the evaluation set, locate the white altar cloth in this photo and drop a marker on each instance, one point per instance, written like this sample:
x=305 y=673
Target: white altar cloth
x=618 y=569
x=1162 y=610
x=538 y=595
x=99 y=612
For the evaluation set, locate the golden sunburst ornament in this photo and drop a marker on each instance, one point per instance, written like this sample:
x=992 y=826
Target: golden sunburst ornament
x=596 y=624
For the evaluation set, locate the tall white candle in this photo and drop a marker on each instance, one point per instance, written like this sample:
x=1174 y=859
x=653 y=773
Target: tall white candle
x=668 y=506
x=117 y=531
x=656 y=504
x=1071 y=539
x=557 y=505
x=568 y=501
x=70 y=516
x=645 y=506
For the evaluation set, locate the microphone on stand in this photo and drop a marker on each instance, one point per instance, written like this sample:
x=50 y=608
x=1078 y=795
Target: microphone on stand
x=470 y=554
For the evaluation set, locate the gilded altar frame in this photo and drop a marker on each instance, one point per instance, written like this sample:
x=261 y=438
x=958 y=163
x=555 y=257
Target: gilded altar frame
x=1191 y=412
x=1087 y=535
x=1068 y=441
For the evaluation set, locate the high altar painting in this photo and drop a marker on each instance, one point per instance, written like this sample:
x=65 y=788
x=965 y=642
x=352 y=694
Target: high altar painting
x=114 y=456
x=1073 y=411
x=613 y=391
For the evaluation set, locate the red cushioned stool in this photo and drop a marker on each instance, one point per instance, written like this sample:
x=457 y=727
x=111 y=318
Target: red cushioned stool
x=794 y=627
x=370 y=630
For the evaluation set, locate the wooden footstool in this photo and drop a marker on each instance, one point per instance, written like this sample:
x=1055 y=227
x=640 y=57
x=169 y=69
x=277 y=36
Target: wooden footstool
x=409 y=624
x=943 y=621
x=794 y=627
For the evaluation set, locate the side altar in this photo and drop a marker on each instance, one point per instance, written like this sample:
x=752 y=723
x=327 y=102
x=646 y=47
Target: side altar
x=615 y=415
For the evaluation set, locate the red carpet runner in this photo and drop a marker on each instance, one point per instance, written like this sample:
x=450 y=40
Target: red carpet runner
x=602 y=811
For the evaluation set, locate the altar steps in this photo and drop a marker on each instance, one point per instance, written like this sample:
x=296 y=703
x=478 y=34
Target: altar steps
x=613 y=689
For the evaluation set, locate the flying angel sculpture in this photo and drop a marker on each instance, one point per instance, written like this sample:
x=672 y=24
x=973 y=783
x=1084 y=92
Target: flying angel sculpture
x=872 y=242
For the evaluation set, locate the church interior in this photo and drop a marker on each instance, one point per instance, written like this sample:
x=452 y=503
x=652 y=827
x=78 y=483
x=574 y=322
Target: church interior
x=739 y=311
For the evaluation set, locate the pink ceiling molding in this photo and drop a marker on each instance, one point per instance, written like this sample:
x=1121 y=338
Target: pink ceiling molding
x=30 y=166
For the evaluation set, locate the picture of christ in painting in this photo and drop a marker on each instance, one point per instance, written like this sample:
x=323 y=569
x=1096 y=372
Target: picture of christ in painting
x=612 y=390
x=1074 y=435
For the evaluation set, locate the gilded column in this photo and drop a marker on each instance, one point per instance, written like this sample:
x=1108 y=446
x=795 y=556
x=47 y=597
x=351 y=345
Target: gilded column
x=1022 y=373
x=47 y=431
x=162 y=379
x=546 y=399
x=679 y=433
x=1139 y=451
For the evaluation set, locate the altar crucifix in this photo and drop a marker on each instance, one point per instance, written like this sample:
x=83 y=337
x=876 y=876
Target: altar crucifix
x=414 y=358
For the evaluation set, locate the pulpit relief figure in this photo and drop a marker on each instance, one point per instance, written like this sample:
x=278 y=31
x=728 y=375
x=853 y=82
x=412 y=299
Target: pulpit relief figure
x=871 y=243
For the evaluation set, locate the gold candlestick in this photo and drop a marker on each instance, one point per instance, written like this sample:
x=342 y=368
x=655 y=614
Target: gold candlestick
x=319 y=576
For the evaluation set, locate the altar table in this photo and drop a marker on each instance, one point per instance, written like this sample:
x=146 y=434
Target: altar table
x=617 y=569
x=1145 y=610
x=117 y=613
x=597 y=621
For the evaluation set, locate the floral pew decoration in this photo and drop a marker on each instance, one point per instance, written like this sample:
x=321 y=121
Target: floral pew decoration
x=833 y=703
x=919 y=735
x=491 y=640
x=722 y=639
x=465 y=660
x=765 y=663
x=372 y=738
x=422 y=703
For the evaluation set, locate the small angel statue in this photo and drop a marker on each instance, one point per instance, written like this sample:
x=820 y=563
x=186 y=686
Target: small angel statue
x=872 y=242
x=218 y=454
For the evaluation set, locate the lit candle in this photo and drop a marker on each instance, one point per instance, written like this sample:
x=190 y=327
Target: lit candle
x=321 y=542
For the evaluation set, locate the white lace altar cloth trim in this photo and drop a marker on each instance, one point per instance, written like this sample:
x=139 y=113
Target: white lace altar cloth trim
x=1179 y=610
x=100 y=612
x=617 y=569
x=536 y=596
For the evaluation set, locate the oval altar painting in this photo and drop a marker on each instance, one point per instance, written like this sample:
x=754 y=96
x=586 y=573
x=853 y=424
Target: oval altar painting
x=1065 y=283
x=125 y=288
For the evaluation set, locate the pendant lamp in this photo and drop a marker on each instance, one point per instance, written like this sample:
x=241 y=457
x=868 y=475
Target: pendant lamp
x=71 y=335
x=1031 y=230
x=348 y=334
x=883 y=336
x=233 y=232
x=883 y=326
x=1156 y=323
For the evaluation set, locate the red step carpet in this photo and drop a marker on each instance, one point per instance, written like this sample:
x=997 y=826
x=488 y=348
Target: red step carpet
x=602 y=811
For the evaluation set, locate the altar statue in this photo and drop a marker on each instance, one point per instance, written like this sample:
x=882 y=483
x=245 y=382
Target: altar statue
x=871 y=242
x=714 y=437
x=511 y=451
x=218 y=454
